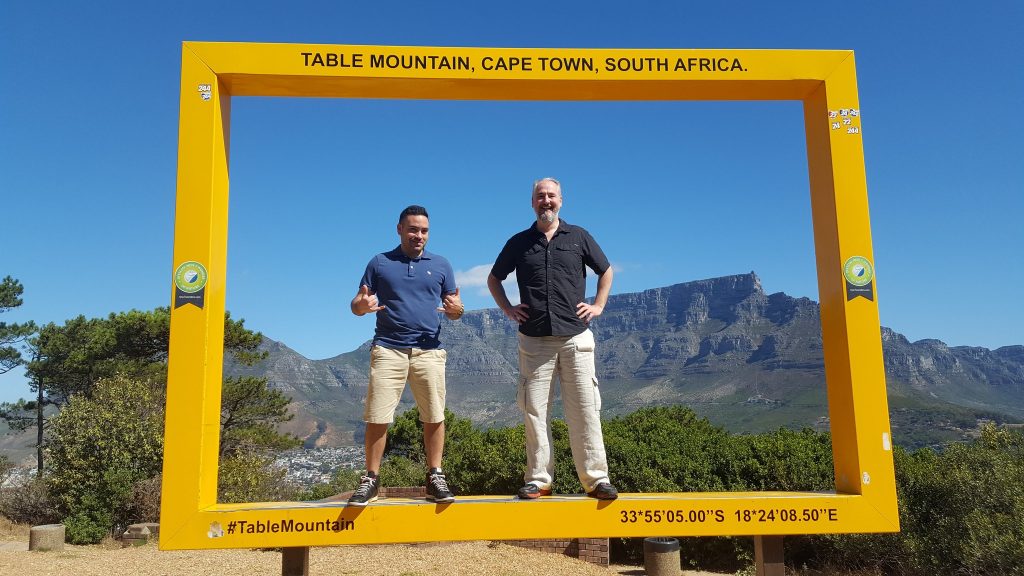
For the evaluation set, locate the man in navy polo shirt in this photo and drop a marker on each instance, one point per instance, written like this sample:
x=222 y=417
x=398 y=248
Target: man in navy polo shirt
x=403 y=288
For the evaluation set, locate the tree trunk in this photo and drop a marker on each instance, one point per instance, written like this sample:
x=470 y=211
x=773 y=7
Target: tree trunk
x=39 y=432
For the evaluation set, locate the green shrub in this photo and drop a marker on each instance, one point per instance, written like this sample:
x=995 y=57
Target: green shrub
x=961 y=512
x=90 y=522
x=784 y=460
x=253 y=477
x=475 y=461
x=401 y=471
x=484 y=461
x=666 y=449
x=343 y=480
x=99 y=447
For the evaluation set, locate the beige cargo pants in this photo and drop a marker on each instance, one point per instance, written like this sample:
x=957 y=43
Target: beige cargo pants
x=542 y=359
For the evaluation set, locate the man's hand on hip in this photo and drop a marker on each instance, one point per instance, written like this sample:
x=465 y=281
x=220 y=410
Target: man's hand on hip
x=588 y=312
x=517 y=313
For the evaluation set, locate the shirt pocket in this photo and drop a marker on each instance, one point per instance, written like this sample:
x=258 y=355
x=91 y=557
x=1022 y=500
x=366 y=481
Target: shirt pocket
x=531 y=264
x=568 y=259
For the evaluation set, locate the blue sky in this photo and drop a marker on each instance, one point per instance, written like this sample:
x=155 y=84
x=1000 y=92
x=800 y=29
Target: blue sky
x=674 y=191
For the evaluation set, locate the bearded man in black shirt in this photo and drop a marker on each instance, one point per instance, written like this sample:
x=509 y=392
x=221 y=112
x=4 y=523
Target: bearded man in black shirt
x=550 y=260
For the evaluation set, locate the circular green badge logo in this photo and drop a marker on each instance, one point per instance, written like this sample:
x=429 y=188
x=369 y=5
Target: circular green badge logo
x=190 y=277
x=858 y=271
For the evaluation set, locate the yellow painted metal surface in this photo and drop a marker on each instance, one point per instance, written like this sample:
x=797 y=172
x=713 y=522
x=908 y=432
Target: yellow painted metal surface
x=507 y=518
x=195 y=357
x=865 y=496
x=515 y=73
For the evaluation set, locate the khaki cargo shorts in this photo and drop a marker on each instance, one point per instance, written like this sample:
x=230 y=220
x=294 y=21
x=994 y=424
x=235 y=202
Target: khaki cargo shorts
x=391 y=368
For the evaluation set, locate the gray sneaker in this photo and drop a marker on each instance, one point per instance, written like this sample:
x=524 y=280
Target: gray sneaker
x=604 y=491
x=437 y=487
x=531 y=492
x=366 y=492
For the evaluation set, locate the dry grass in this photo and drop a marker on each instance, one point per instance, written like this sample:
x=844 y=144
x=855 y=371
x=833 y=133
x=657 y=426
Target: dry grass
x=836 y=572
x=450 y=558
x=457 y=558
x=9 y=531
x=400 y=560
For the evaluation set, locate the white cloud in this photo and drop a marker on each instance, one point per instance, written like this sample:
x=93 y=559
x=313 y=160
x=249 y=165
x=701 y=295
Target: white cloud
x=476 y=278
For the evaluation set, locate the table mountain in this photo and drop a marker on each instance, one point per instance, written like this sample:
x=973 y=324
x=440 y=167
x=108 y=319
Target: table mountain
x=747 y=360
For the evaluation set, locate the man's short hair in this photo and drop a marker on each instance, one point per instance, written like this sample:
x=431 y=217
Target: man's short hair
x=413 y=210
x=543 y=180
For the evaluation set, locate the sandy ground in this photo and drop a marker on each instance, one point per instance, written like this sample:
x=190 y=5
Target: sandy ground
x=400 y=560
x=439 y=559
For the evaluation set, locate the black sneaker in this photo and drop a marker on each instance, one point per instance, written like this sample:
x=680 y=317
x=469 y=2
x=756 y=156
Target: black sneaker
x=604 y=491
x=532 y=491
x=366 y=492
x=437 y=487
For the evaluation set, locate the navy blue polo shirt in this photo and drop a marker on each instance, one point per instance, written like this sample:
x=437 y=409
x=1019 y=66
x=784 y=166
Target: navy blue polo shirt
x=410 y=289
x=551 y=276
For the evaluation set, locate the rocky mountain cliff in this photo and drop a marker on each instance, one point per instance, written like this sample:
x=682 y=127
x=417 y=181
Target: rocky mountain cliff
x=747 y=360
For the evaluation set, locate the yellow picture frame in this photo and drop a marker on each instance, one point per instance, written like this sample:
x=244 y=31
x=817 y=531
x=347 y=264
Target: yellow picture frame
x=864 y=499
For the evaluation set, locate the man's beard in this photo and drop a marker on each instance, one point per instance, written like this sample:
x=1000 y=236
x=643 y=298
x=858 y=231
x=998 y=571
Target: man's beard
x=548 y=216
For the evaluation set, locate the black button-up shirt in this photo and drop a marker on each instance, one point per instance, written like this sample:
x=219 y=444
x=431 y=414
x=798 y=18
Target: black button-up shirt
x=551 y=276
